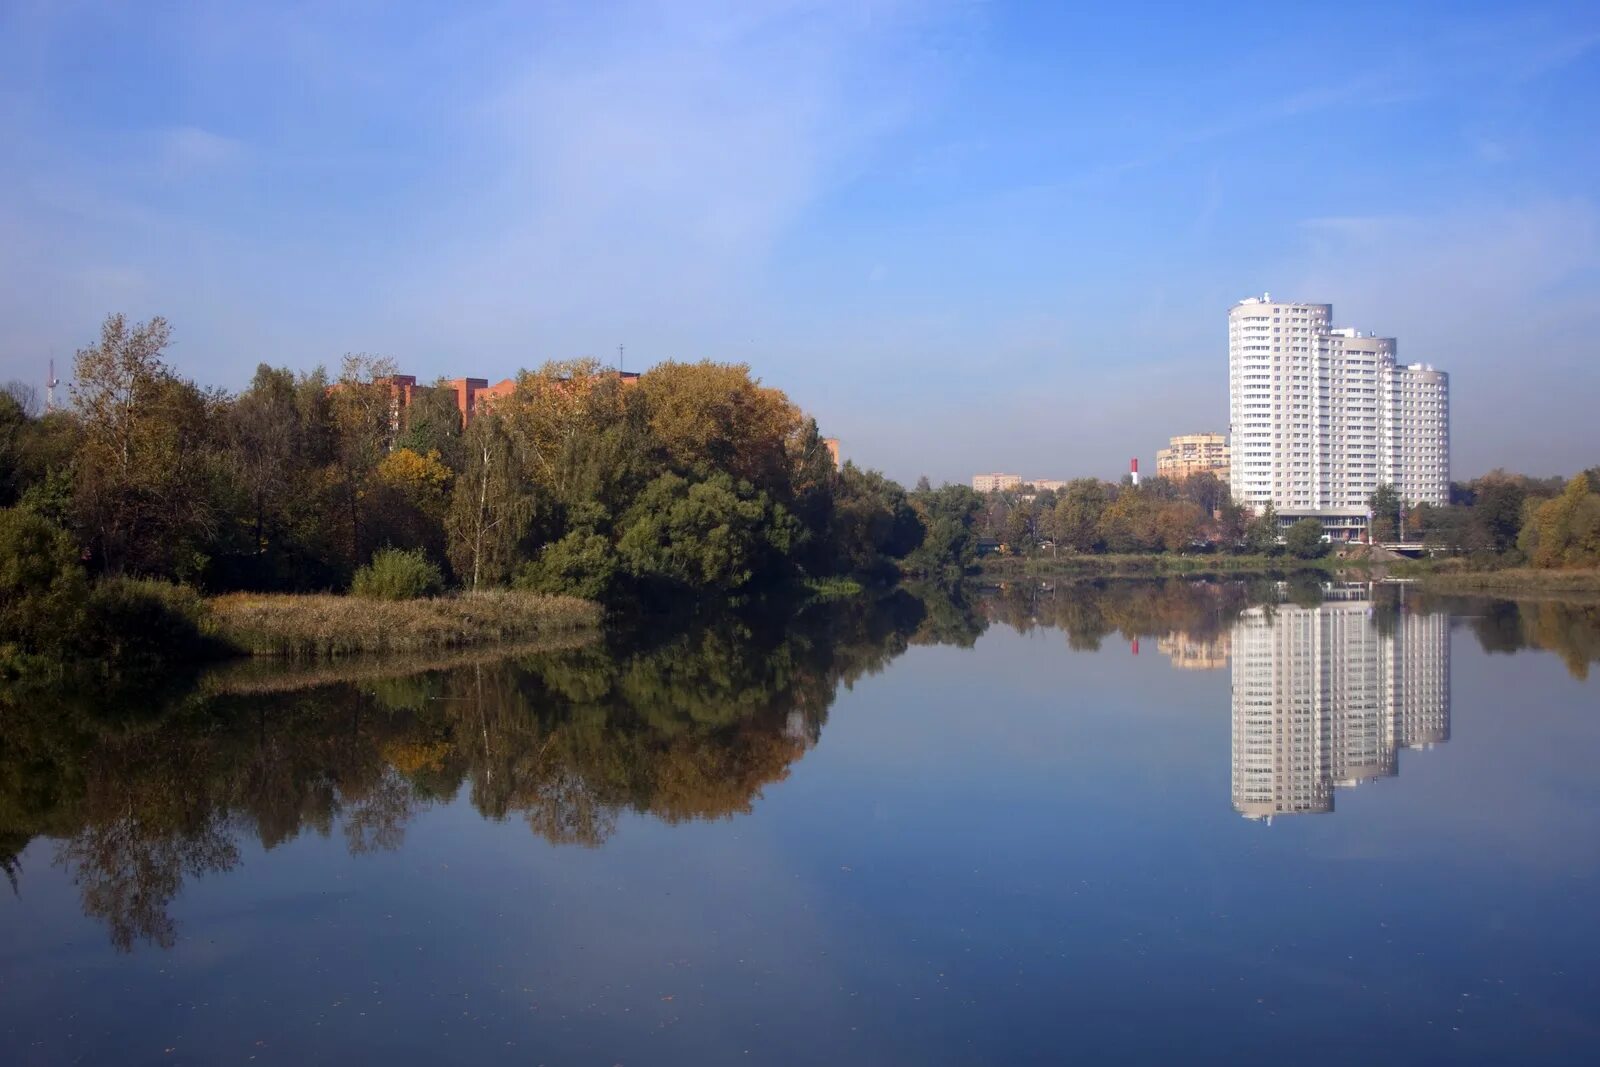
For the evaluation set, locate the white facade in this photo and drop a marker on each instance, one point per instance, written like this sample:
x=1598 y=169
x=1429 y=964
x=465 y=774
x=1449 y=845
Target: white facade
x=1322 y=416
x=1324 y=697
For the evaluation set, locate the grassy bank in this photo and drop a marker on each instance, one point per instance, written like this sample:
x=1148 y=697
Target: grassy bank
x=326 y=625
x=1121 y=566
x=1456 y=576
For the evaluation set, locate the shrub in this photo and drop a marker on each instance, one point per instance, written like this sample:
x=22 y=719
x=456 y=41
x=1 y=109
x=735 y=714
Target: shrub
x=135 y=624
x=580 y=564
x=42 y=588
x=395 y=574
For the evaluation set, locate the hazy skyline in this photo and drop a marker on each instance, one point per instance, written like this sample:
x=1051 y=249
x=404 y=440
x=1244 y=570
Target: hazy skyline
x=967 y=237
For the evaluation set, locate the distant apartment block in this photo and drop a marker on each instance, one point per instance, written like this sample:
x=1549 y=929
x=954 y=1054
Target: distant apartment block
x=1324 y=697
x=995 y=483
x=1192 y=453
x=473 y=396
x=1321 y=416
x=1053 y=485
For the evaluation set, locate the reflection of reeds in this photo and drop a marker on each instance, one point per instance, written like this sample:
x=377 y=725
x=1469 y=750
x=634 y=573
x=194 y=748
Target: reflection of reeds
x=322 y=625
x=261 y=676
x=1516 y=580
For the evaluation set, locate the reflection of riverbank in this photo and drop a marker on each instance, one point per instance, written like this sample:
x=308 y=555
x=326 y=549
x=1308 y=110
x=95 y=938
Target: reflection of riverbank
x=1325 y=696
x=267 y=674
x=139 y=798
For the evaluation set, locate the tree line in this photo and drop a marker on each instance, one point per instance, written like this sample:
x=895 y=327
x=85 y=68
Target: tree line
x=1503 y=518
x=1499 y=519
x=697 y=480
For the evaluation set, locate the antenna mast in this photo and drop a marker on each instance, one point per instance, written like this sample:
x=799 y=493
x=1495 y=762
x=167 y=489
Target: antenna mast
x=50 y=384
x=620 y=365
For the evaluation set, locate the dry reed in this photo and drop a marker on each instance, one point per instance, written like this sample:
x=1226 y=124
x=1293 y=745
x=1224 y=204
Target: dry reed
x=327 y=625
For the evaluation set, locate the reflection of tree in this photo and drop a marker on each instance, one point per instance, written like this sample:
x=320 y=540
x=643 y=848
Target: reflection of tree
x=1569 y=628
x=1090 y=611
x=129 y=872
x=690 y=727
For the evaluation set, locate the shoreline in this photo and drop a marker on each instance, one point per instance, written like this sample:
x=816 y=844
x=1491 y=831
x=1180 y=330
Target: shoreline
x=1158 y=566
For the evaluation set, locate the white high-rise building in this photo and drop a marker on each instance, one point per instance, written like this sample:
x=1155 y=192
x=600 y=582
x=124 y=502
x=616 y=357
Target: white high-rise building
x=1321 y=416
x=1324 y=697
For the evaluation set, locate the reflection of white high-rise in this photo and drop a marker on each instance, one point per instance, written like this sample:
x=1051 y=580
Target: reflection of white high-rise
x=1323 y=697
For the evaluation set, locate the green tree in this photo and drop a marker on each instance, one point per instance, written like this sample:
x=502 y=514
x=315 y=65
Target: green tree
x=712 y=534
x=872 y=524
x=432 y=424
x=1497 y=511
x=1385 y=506
x=948 y=547
x=42 y=588
x=1077 y=514
x=147 y=469
x=1303 y=540
x=1261 y=534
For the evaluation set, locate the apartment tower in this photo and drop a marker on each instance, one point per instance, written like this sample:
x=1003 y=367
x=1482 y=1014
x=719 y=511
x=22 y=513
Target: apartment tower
x=1321 y=415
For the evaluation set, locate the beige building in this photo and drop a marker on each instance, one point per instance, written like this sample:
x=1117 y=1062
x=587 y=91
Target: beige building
x=995 y=483
x=1192 y=453
x=1191 y=654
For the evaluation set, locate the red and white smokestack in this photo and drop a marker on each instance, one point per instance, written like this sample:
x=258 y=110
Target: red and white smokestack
x=1133 y=469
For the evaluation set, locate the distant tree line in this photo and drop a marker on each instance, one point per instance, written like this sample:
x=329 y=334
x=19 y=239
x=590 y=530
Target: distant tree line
x=1505 y=519
x=1499 y=519
x=1159 y=515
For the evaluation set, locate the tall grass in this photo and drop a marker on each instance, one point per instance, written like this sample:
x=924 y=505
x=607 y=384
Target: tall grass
x=326 y=625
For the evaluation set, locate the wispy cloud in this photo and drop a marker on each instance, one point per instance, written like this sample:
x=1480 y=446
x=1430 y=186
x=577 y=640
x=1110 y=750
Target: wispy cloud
x=1502 y=297
x=186 y=151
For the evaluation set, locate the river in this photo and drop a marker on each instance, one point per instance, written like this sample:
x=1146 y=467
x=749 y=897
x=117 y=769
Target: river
x=1101 y=822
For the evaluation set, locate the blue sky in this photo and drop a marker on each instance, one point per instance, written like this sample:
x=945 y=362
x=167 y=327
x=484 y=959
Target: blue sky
x=967 y=236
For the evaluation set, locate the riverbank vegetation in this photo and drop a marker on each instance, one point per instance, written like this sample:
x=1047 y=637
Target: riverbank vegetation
x=324 y=625
x=694 y=481
x=690 y=483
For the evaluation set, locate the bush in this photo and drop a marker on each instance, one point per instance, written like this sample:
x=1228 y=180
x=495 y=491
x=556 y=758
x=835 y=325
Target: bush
x=42 y=588
x=580 y=564
x=140 y=624
x=394 y=574
x=1304 y=540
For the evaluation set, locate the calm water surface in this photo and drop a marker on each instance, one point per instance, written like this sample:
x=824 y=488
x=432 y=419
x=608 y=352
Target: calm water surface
x=1116 y=823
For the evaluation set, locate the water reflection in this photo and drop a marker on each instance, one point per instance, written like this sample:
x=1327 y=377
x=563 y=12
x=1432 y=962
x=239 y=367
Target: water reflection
x=137 y=798
x=566 y=741
x=1325 y=696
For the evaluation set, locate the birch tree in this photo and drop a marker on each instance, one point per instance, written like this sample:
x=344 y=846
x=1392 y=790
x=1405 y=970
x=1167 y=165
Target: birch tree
x=490 y=509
